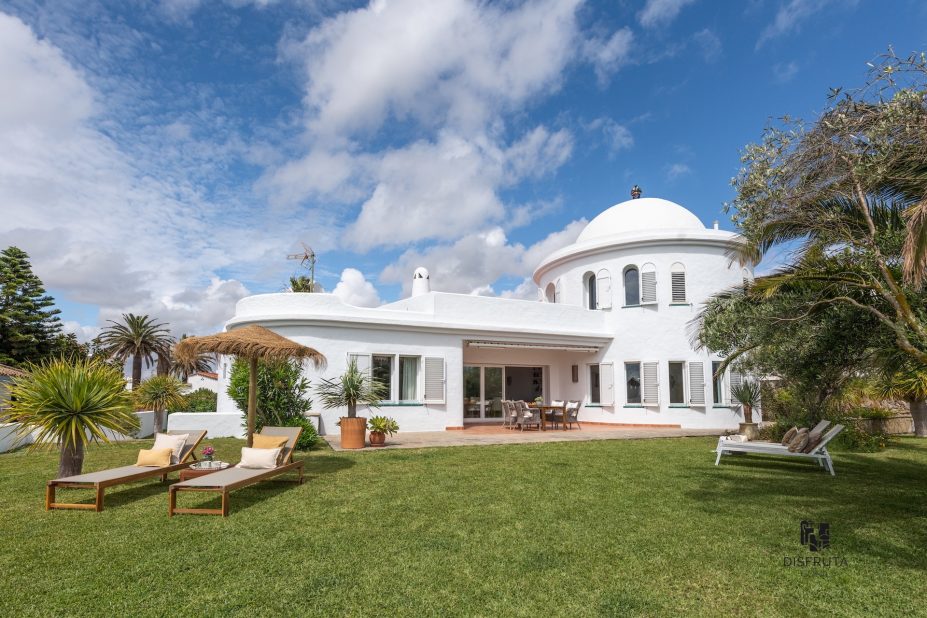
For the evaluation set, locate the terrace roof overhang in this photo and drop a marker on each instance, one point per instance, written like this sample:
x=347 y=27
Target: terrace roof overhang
x=521 y=345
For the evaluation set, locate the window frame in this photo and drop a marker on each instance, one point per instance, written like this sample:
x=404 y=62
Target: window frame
x=624 y=284
x=640 y=386
x=418 y=378
x=685 y=383
x=590 y=291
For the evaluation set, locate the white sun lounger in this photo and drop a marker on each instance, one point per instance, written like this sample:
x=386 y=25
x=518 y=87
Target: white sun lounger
x=819 y=454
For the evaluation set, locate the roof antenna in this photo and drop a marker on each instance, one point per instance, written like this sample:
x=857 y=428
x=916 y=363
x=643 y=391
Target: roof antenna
x=306 y=257
x=635 y=192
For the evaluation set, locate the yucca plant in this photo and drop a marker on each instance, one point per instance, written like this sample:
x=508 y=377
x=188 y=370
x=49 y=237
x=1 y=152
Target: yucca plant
x=71 y=403
x=747 y=394
x=160 y=393
x=353 y=387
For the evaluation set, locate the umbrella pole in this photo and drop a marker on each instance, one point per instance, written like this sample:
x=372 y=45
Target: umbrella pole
x=252 y=399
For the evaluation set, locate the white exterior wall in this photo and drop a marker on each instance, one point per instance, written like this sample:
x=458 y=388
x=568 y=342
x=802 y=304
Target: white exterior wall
x=649 y=333
x=217 y=425
x=197 y=382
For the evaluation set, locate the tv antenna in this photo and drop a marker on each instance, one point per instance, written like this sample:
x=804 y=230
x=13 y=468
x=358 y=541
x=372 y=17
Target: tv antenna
x=307 y=261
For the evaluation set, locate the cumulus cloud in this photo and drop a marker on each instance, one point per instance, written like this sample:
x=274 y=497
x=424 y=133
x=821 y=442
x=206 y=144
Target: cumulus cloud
x=354 y=289
x=471 y=264
x=657 y=13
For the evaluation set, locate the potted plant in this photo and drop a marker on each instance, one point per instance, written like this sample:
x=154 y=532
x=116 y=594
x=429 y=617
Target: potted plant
x=353 y=387
x=747 y=394
x=380 y=427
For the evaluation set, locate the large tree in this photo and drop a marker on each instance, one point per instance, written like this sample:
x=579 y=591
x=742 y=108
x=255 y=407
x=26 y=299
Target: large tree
x=139 y=337
x=29 y=324
x=847 y=195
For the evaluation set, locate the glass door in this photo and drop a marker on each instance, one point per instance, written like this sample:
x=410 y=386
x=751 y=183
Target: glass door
x=483 y=392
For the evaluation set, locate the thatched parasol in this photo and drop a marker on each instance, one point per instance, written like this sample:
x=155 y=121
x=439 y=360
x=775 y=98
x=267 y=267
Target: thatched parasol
x=12 y=372
x=254 y=343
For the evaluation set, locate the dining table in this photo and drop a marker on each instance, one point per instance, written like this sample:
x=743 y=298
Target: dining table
x=549 y=408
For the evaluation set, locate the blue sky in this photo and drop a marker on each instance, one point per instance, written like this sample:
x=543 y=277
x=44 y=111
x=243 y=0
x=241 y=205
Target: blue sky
x=165 y=157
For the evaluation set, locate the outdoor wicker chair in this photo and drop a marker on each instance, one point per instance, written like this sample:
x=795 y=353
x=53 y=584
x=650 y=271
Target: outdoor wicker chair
x=527 y=417
x=571 y=414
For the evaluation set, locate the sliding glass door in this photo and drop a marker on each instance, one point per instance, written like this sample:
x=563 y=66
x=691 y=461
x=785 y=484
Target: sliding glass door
x=483 y=392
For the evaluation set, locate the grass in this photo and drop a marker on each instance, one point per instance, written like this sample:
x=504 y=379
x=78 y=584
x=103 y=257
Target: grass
x=609 y=528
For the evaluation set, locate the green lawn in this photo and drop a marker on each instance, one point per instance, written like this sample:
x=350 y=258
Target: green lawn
x=608 y=528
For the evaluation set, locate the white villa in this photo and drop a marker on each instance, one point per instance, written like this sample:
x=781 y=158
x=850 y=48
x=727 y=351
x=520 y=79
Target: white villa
x=610 y=329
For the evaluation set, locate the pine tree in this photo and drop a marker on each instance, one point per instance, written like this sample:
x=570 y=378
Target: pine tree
x=29 y=324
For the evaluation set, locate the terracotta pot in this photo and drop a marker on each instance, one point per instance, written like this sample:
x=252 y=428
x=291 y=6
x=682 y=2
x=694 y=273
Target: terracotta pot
x=377 y=438
x=353 y=431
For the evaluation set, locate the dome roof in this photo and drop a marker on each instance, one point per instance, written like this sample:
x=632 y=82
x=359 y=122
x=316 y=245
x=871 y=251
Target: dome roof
x=643 y=214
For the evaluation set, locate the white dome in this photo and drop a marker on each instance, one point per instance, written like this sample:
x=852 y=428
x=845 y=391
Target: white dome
x=642 y=214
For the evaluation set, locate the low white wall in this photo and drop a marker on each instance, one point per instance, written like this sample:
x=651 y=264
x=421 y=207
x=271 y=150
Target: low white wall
x=8 y=439
x=216 y=424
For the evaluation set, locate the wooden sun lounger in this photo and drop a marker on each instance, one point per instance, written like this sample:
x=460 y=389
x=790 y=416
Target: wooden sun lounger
x=102 y=479
x=819 y=454
x=225 y=481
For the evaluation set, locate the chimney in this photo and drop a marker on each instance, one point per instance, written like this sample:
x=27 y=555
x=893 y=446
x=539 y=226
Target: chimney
x=715 y=224
x=421 y=281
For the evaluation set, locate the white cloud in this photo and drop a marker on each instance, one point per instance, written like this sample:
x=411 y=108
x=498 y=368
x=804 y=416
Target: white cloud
x=607 y=56
x=709 y=43
x=783 y=72
x=354 y=289
x=791 y=15
x=473 y=263
x=83 y=332
x=677 y=170
x=618 y=137
x=658 y=13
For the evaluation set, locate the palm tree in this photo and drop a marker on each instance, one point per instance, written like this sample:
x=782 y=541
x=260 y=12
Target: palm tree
x=353 y=387
x=302 y=283
x=138 y=336
x=71 y=403
x=160 y=393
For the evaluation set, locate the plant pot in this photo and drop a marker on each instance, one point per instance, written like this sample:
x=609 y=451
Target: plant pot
x=377 y=438
x=353 y=431
x=751 y=430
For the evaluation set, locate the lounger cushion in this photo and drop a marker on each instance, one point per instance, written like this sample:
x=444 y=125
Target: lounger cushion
x=799 y=441
x=787 y=438
x=814 y=438
x=259 y=458
x=175 y=442
x=155 y=457
x=260 y=441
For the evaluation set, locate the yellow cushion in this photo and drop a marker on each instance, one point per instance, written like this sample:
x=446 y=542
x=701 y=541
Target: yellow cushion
x=156 y=457
x=268 y=441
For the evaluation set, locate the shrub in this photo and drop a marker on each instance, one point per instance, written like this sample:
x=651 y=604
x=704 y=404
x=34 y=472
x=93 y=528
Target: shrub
x=200 y=400
x=282 y=391
x=854 y=438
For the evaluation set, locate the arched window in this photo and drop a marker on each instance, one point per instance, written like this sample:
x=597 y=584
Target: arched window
x=648 y=284
x=603 y=285
x=589 y=291
x=550 y=293
x=678 y=284
x=632 y=286
x=558 y=296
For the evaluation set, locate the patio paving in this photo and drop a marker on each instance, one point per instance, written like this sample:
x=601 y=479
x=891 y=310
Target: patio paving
x=494 y=434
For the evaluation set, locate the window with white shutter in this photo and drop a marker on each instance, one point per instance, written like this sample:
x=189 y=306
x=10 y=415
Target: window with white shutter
x=696 y=384
x=632 y=287
x=651 y=383
x=606 y=384
x=434 y=379
x=734 y=378
x=591 y=291
x=678 y=283
x=603 y=282
x=648 y=284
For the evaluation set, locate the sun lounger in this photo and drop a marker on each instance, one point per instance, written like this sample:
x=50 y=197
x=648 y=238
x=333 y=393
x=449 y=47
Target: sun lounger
x=821 y=426
x=99 y=481
x=230 y=479
x=818 y=454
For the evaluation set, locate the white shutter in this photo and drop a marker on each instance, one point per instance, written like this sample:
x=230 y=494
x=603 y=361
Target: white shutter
x=434 y=379
x=603 y=292
x=363 y=362
x=648 y=284
x=735 y=379
x=650 y=383
x=696 y=384
x=678 y=283
x=606 y=384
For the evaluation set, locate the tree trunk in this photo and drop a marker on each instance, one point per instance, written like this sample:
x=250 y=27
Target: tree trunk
x=352 y=409
x=919 y=414
x=748 y=413
x=71 y=461
x=136 y=371
x=252 y=399
x=159 y=421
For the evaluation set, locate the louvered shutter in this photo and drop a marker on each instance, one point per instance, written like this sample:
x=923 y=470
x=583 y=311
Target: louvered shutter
x=678 y=283
x=651 y=384
x=696 y=384
x=434 y=379
x=606 y=384
x=648 y=284
x=735 y=379
x=603 y=293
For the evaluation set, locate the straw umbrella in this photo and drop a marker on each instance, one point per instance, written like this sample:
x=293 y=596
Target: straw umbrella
x=253 y=343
